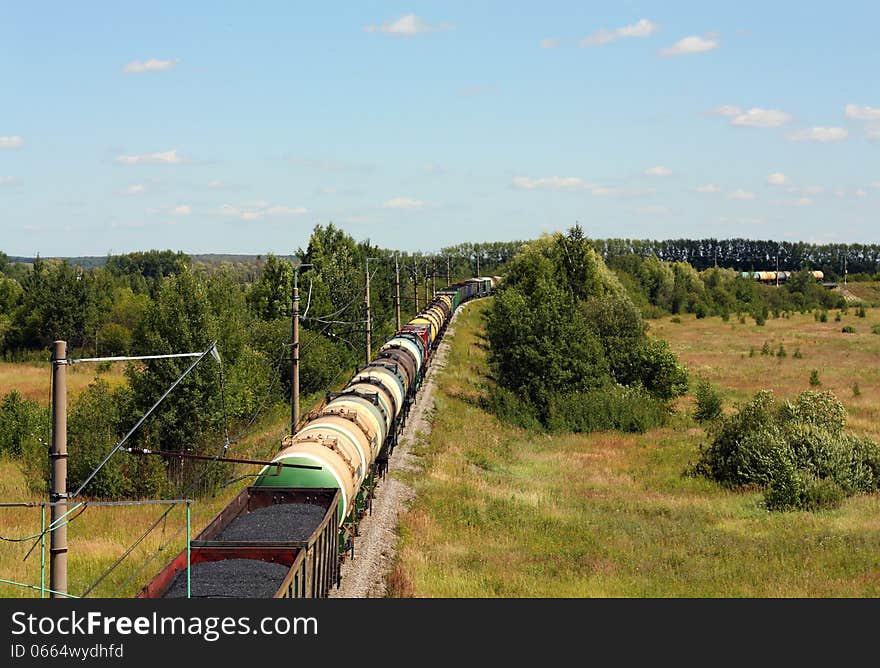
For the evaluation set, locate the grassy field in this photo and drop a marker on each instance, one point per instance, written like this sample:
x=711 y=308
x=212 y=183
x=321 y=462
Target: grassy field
x=869 y=291
x=504 y=512
x=32 y=379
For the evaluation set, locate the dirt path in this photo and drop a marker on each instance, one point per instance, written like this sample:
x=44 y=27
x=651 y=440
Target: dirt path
x=374 y=547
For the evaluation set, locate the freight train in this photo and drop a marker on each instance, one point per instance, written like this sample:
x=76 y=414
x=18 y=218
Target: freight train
x=773 y=276
x=285 y=535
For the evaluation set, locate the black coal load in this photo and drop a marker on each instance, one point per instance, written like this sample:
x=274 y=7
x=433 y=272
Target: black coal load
x=230 y=578
x=278 y=522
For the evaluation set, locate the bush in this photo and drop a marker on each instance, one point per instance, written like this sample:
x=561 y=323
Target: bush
x=676 y=319
x=709 y=403
x=875 y=328
x=614 y=407
x=848 y=329
x=861 y=312
x=814 y=378
x=765 y=349
x=837 y=317
x=823 y=317
x=21 y=420
x=797 y=451
x=781 y=352
x=857 y=391
x=797 y=353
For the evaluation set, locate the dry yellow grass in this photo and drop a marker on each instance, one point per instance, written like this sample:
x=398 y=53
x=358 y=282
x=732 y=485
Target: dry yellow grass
x=729 y=355
x=32 y=380
x=505 y=512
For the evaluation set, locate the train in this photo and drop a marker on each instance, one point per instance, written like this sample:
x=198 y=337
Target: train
x=285 y=536
x=773 y=276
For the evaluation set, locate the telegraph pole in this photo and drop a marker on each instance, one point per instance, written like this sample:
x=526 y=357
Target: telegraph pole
x=58 y=456
x=415 y=279
x=368 y=322
x=397 y=291
x=427 y=299
x=294 y=370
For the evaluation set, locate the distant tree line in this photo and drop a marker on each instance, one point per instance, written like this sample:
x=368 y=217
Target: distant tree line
x=659 y=287
x=752 y=254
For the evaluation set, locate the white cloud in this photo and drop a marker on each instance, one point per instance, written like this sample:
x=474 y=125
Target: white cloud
x=160 y=158
x=858 y=113
x=777 y=179
x=761 y=118
x=709 y=188
x=407 y=26
x=642 y=28
x=741 y=194
x=807 y=190
x=259 y=209
x=861 y=193
x=181 y=210
x=690 y=45
x=602 y=191
x=804 y=201
x=727 y=110
x=403 y=203
x=11 y=141
x=659 y=170
x=135 y=189
x=151 y=65
x=550 y=43
x=875 y=184
x=285 y=210
x=552 y=183
x=8 y=180
x=820 y=134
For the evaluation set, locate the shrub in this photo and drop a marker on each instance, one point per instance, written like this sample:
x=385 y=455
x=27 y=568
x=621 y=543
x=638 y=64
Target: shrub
x=676 y=320
x=875 y=328
x=765 y=349
x=814 y=378
x=797 y=451
x=861 y=312
x=797 y=353
x=781 y=352
x=752 y=351
x=857 y=391
x=823 y=317
x=837 y=317
x=848 y=329
x=709 y=403
x=21 y=420
x=614 y=407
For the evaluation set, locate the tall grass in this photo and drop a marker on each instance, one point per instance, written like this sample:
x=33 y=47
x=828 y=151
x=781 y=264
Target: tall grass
x=507 y=511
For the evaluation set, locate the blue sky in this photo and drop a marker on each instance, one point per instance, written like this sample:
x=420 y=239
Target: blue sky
x=237 y=127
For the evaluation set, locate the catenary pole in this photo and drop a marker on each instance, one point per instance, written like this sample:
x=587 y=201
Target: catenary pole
x=58 y=456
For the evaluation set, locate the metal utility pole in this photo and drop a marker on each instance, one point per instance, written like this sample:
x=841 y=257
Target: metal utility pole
x=294 y=369
x=58 y=457
x=415 y=280
x=448 y=281
x=433 y=277
x=844 y=267
x=478 y=265
x=397 y=291
x=368 y=321
x=777 y=267
x=427 y=299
